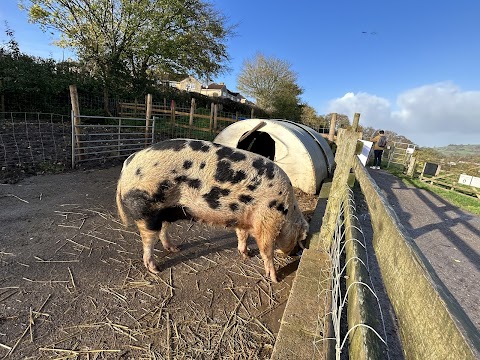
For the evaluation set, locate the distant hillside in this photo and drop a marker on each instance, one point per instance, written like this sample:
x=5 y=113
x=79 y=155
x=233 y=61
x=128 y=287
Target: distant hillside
x=459 y=150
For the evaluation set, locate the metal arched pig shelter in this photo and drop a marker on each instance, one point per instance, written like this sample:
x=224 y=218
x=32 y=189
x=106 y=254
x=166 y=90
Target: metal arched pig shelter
x=300 y=151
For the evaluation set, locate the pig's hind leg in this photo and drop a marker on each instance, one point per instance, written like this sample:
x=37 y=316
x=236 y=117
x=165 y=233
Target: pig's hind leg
x=242 y=237
x=165 y=239
x=149 y=239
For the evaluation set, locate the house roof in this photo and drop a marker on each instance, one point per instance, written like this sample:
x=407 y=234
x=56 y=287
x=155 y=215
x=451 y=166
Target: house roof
x=215 y=86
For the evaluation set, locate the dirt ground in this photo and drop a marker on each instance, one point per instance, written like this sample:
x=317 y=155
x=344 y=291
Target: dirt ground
x=73 y=284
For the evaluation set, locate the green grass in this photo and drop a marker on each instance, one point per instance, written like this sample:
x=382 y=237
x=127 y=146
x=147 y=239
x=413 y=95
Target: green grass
x=464 y=202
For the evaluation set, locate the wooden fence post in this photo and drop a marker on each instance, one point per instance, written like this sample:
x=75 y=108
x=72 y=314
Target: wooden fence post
x=75 y=123
x=190 y=120
x=356 y=120
x=331 y=133
x=148 y=115
x=215 y=116
x=172 y=111
x=211 y=117
x=251 y=114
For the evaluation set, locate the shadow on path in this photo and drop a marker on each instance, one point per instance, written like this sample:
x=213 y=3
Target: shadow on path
x=447 y=236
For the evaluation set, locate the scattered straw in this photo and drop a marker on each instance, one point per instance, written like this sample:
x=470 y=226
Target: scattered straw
x=28 y=328
x=16 y=197
x=71 y=278
x=79 y=352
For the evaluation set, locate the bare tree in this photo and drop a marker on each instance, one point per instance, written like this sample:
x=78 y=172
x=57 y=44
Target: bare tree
x=272 y=83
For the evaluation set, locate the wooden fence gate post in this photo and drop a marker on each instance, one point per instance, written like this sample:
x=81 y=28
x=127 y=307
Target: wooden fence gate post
x=76 y=133
x=215 y=116
x=172 y=115
x=190 y=120
x=148 y=115
x=331 y=133
x=211 y=117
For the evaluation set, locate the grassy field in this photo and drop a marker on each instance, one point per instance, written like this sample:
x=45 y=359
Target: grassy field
x=464 y=202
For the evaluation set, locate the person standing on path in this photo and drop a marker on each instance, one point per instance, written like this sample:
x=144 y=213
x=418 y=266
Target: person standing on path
x=380 y=142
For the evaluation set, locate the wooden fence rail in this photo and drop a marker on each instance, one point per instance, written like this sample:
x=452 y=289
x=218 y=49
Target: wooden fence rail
x=189 y=118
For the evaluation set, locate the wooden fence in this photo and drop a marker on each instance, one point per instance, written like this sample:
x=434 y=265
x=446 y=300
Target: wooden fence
x=447 y=181
x=176 y=121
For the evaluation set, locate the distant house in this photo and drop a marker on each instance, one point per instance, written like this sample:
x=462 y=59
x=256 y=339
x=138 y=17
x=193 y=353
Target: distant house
x=190 y=84
x=214 y=90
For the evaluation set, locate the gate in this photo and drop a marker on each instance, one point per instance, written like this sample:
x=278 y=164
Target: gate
x=400 y=153
x=98 y=138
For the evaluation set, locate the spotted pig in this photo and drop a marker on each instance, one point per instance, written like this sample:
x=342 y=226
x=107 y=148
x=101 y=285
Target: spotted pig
x=198 y=180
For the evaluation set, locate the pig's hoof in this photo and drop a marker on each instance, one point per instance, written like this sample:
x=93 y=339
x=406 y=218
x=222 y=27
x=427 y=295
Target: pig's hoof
x=172 y=248
x=272 y=275
x=152 y=267
x=245 y=254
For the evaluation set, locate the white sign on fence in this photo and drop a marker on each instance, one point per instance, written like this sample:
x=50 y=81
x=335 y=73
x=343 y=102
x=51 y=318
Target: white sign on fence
x=469 y=180
x=367 y=146
x=475 y=182
x=465 y=179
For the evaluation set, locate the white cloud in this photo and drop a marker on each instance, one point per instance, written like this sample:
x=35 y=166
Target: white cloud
x=431 y=115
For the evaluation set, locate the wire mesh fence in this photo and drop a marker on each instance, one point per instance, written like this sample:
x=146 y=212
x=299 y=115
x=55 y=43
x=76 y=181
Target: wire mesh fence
x=347 y=311
x=34 y=142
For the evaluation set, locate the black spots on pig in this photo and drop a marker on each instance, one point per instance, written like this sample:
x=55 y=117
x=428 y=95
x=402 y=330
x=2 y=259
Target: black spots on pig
x=175 y=145
x=254 y=184
x=231 y=223
x=161 y=194
x=202 y=165
x=139 y=203
x=155 y=218
x=246 y=199
x=225 y=173
x=181 y=179
x=193 y=183
x=187 y=164
x=233 y=206
x=230 y=154
x=280 y=206
x=196 y=145
x=264 y=167
x=213 y=196
x=138 y=172
x=143 y=206
x=156 y=164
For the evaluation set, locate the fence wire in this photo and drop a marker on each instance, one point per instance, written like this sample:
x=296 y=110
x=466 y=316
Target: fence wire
x=33 y=140
x=338 y=304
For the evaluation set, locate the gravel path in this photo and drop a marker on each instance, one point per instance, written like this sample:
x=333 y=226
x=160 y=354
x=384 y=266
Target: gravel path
x=448 y=237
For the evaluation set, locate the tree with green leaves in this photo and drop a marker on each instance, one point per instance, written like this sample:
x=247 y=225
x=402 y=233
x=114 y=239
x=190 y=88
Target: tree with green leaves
x=273 y=85
x=310 y=118
x=120 y=40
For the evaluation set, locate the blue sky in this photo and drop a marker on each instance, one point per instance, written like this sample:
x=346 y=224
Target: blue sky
x=412 y=67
